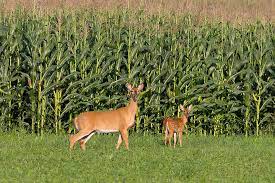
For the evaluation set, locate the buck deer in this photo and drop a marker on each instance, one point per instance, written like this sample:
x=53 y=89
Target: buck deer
x=174 y=126
x=119 y=120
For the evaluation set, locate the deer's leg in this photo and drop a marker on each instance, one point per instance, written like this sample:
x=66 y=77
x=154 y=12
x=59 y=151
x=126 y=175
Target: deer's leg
x=180 y=138
x=119 y=141
x=74 y=138
x=166 y=136
x=175 y=139
x=84 y=140
x=171 y=132
x=82 y=144
x=124 y=135
x=186 y=133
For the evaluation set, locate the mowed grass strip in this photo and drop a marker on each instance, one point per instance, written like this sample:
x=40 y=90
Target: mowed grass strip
x=31 y=158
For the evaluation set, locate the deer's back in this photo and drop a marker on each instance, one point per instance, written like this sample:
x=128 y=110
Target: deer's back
x=107 y=120
x=174 y=123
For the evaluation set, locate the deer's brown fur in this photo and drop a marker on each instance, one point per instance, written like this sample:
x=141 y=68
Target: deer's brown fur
x=119 y=120
x=174 y=126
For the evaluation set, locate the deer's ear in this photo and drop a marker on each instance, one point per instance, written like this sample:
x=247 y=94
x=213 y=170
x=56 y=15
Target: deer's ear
x=140 y=87
x=129 y=86
x=189 y=108
x=181 y=107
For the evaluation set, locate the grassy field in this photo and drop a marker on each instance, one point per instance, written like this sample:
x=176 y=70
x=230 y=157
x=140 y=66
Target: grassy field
x=31 y=158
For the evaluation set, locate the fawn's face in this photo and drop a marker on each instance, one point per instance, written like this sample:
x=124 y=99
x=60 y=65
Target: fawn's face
x=186 y=111
x=134 y=91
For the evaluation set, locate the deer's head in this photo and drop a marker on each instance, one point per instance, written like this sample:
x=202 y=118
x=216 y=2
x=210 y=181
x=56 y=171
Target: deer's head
x=134 y=91
x=186 y=111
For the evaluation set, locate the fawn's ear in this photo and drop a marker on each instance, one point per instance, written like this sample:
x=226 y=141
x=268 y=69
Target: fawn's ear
x=181 y=107
x=189 y=108
x=129 y=86
x=140 y=87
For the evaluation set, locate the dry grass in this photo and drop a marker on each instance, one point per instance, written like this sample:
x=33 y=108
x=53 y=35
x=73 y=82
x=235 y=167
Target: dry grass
x=222 y=10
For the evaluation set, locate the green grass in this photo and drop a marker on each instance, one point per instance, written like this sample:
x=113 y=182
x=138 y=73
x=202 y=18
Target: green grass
x=31 y=158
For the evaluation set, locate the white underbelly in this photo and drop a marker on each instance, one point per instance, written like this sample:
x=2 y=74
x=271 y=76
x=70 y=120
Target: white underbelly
x=106 y=131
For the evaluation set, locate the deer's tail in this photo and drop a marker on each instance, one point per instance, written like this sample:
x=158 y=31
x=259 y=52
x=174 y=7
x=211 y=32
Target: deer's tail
x=76 y=124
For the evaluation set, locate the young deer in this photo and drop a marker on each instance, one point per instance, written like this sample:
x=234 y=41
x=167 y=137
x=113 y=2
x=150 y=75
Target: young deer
x=175 y=125
x=119 y=120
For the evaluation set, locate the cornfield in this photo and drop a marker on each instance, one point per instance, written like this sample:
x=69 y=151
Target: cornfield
x=54 y=66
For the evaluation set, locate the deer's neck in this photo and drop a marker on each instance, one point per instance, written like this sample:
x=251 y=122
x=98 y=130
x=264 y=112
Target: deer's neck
x=132 y=107
x=184 y=118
